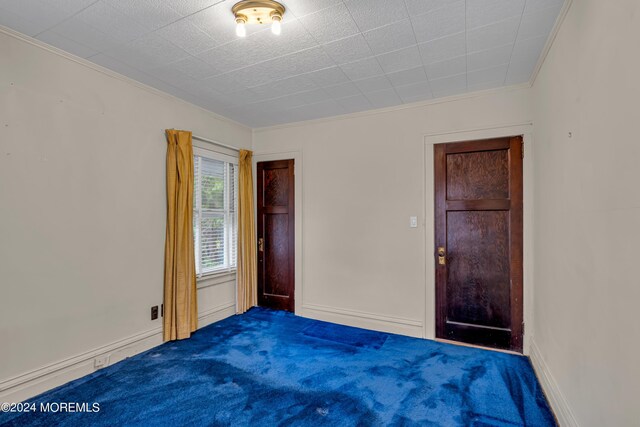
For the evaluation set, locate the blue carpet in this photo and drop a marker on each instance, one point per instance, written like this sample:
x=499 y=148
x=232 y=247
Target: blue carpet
x=273 y=368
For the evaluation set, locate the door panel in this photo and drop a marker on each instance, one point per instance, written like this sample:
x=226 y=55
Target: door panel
x=477 y=176
x=276 y=225
x=478 y=226
x=478 y=279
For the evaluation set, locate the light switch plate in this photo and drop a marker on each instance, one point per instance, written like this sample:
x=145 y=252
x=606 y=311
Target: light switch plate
x=413 y=222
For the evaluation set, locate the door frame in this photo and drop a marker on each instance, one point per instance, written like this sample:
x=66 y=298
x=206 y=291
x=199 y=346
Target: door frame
x=298 y=218
x=524 y=129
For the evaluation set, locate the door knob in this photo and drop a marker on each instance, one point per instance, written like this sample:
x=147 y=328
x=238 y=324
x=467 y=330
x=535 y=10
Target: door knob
x=261 y=244
x=441 y=256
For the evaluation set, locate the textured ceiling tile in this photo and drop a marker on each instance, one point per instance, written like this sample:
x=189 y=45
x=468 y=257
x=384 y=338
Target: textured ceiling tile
x=68 y=6
x=542 y=4
x=528 y=49
x=418 y=7
x=304 y=7
x=304 y=98
x=75 y=29
x=234 y=55
x=373 y=84
x=257 y=75
x=383 y=98
x=194 y=68
x=187 y=7
x=407 y=77
x=489 y=58
x=485 y=12
x=449 y=85
x=169 y=74
x=488 y=75
x=284 y=87
x=410 y=92
x=440 y=22
x=356 y=103
x=391 y=37
x=108 y=20
x=330 y=24
x=539 y=22
x=31 y=16
x=370 y=14
x=328 y=76
x=444 y=48
x=449 y=67
x=398 y=60
x=187 y=36
x=242 y=97
x=148 y=52
x=304 y=62
x=349 y=49
x=65 y=44
x=362 y=69
x=520 y=70
x=342 y=90
x=29 y=26
x=493 y=35
x=225 y=83
x=152 y=13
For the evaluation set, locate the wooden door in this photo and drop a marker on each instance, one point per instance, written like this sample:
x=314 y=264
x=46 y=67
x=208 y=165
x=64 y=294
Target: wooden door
x=276 y=226
x=478 y=232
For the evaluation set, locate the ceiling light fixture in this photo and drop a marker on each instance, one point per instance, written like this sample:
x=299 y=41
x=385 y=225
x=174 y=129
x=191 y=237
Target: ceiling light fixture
x=258 y=12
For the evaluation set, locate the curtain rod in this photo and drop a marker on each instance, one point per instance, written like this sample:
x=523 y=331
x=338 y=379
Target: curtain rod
x=199 y=138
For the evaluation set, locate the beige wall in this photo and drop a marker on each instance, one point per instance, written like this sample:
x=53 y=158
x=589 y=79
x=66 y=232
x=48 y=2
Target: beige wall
x=82 y=205
x=588 y=211
x=362 y=177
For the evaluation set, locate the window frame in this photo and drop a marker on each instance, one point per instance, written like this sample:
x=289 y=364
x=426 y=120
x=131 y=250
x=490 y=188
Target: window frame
x=227 y=159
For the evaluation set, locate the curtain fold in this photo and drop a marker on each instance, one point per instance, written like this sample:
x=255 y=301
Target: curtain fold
x=180 y=304
x=247 y=259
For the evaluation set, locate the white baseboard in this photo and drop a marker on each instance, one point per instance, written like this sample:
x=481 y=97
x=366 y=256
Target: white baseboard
x=32 y=383
x=216 y=314
x=555 y=397
x=361 y=319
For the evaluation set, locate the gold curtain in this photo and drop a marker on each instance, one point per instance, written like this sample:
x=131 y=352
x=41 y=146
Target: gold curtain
x=181 y=311
x=247 y=270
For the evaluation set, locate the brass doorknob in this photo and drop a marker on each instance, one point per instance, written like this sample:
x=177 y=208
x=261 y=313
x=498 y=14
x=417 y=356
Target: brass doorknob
x=442 y=260
x=261 y=244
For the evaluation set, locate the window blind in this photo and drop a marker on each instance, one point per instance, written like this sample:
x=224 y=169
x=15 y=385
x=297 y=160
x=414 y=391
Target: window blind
x=214 y=212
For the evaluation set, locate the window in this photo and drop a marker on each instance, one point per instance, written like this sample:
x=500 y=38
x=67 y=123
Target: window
x=214 y=211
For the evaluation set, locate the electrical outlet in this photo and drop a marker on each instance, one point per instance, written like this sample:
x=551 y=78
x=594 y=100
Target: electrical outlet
x=154 y=312
x=101 y=361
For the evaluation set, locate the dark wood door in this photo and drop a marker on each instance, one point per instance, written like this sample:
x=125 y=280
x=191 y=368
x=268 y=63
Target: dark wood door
x=478 y=235
x=276 y=227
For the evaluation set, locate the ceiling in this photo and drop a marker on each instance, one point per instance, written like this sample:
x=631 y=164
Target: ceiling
x=333 y=56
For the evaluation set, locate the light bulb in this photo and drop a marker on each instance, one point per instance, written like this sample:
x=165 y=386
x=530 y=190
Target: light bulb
x=241 y=30
x=276 y=27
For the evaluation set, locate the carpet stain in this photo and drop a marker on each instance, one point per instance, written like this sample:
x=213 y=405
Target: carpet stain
x=266 y=368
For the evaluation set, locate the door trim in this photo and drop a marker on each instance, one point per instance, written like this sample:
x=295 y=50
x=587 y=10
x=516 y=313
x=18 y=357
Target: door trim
x=499 y=131
x=298 y=214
